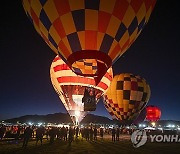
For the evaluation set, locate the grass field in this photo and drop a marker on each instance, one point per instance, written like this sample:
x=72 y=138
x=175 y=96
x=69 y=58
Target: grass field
x=88 y=147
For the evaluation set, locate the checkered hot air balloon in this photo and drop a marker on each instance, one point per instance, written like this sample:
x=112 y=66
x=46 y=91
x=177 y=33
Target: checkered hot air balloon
x=78 y=93
x=89 y=35
x=126 y=97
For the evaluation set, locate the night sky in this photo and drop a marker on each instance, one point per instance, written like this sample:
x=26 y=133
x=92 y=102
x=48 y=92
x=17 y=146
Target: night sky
x=25 y=59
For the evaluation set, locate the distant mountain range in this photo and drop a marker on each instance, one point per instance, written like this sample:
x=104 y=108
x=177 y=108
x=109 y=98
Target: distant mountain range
x=65 y=118
x=59 y=118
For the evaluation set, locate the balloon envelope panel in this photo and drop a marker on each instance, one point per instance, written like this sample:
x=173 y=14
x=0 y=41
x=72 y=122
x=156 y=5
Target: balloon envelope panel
x=89 y=35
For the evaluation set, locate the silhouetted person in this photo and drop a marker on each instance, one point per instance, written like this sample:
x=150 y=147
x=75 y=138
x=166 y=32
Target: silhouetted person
x=82 y=133
x=101 y=132
x=113 y=134
x=87 y=134
x=56 y=132
x=52 y=134
x=91 y=132
x=18 y=132
x=71 y=135
x=39 y=134
x=95 y=133
x=47 y=133
x=65 y=133
x=77 y=132
x=27 y=135
x=117 y=134
x=2 y=132
x=59 y=133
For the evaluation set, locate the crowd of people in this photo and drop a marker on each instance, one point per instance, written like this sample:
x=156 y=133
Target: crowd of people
x=69 y=134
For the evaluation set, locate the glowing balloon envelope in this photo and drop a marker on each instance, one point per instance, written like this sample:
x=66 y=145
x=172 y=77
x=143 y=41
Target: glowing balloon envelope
x=89 y=35
x=126 y=97
x=78 y=93
x=153 y=113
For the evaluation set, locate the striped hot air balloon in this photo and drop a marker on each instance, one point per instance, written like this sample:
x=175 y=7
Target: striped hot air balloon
x=78 y=93
x=89 y=35
x=126 y=97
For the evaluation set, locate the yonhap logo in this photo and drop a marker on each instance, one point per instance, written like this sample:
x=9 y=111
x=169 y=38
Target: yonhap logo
x=165 y=138
x=139 y=138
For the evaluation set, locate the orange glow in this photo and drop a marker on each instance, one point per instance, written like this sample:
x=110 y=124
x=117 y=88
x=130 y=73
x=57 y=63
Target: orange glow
x=153 y=113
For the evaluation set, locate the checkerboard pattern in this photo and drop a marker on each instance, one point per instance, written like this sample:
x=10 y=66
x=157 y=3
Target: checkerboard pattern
x=127 y=96
x=68 y=26
x=85 y=66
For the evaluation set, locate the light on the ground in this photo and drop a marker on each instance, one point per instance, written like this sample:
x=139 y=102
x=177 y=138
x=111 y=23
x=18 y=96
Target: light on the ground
x=40 y=123
x=153 y=124
x=77 y=113
x=30 y=123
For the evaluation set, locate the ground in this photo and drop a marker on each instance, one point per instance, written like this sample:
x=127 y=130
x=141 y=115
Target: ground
x=124 y=146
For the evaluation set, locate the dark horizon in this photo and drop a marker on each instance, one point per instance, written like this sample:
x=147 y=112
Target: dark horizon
x=25 y=62
x=68 y=114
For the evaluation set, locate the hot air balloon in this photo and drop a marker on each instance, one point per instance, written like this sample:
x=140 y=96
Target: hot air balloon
x=89 y=35
x=126 y=97
x=153 y=113
x=78 y=93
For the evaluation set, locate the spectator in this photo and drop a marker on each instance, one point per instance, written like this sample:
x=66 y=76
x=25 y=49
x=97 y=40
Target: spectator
x=65 y=133
x=39 y=134
x=77 y=132
x=52 y=134
x=2 y=132
x=113 y=134
x=101 y=132
x=95 y=133
x=91 y=132
x=47 y=133
x=18 y=132
x=71 y=135
x=117 y=134
x=82 y=133
x=27 y=135
x=87 y=134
